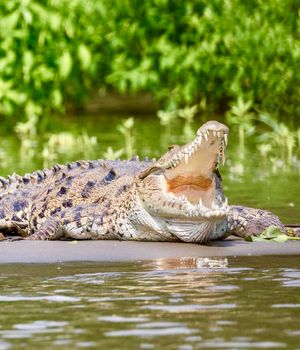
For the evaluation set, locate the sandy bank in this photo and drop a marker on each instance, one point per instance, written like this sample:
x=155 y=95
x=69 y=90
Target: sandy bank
x=103 y=251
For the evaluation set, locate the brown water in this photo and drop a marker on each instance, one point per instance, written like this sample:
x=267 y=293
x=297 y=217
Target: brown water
x=234 y=303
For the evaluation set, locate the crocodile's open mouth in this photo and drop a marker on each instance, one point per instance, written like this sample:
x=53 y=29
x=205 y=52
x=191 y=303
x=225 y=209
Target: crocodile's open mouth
x=190 y=178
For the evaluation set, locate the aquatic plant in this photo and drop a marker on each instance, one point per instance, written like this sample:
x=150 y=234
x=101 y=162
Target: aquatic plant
x=280 y=137
x=67 y=143
x=241 y=117
x=298 y=138
x=111 y=154
x=126 y=130
x=188 y=114
x=166 y=117
x=27 y=132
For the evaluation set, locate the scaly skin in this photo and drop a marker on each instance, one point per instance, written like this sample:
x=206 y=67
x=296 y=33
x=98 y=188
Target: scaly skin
x=178 y=197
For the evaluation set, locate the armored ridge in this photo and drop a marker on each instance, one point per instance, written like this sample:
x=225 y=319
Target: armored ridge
x=178 y=197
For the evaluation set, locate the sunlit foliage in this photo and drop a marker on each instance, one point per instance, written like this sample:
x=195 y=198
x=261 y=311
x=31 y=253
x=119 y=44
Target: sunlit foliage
x=56 y=53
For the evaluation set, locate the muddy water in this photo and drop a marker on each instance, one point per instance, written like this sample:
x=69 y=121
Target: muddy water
x=222 y=303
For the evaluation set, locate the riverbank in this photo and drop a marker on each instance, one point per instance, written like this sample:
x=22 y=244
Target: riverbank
x=117 y=251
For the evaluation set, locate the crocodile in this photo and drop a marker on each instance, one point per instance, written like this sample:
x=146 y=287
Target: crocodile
x=178 y=197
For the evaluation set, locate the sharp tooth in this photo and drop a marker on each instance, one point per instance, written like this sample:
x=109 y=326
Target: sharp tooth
x=213 y=206
x=218 y=133
x=207 y=214
x=206 y=135
x=186 y=158
x=200 y=202
x=226 y=201
x=226 y=139
x=214 y=133
x=199 y=140
x=223 y=157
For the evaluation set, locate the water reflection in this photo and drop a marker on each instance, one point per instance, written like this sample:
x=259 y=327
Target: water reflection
x=191 y=263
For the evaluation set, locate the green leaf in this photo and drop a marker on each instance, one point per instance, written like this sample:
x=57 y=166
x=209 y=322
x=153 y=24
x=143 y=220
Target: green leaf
x=65 y=65
x=281 y=238
x=270 y=234
x=84 y=56
x=56 y=98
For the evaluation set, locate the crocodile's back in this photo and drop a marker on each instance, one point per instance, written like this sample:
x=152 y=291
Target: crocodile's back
x=30 y=200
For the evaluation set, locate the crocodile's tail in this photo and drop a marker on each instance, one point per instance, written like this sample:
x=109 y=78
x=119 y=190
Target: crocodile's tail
x=16 y=182
x=12 y=181
x=244 y=221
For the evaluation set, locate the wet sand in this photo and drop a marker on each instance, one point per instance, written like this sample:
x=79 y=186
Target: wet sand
x=115 y=251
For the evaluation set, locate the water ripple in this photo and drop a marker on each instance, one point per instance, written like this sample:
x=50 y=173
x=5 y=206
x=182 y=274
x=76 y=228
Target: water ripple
x=291 y=278
x=87 y=278
x=222 y=344
x=27 y=330
x=286 y=306
x=154 y=329
x=122 y=319
x=188 y=307
x=53 y=298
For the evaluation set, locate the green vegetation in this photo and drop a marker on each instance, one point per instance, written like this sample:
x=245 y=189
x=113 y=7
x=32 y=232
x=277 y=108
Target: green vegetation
x=272 y=234
x=54 y=54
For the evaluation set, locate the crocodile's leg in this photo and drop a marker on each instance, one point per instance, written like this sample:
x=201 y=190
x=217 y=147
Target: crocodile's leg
x=80 y=222
x=20 y=227
x=244 y=221
x=50 y=230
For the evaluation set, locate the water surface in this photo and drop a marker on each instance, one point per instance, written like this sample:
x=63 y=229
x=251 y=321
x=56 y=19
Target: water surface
x=204 y=303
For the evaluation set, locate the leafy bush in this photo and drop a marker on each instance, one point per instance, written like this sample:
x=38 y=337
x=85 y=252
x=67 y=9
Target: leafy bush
x=57 y=52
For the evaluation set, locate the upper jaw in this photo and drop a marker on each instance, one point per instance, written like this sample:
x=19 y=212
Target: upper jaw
x=212 y=137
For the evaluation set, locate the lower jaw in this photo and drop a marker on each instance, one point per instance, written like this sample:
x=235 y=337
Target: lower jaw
x=198 y=232
x=193 y=194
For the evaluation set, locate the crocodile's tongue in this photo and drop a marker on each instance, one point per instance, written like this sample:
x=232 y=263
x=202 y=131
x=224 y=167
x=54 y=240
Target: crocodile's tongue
x=193 y=178
x=199 y=182
x=193 y=188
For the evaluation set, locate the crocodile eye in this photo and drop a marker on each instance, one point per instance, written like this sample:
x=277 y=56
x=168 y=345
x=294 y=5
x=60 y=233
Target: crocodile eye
x=171 y=147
